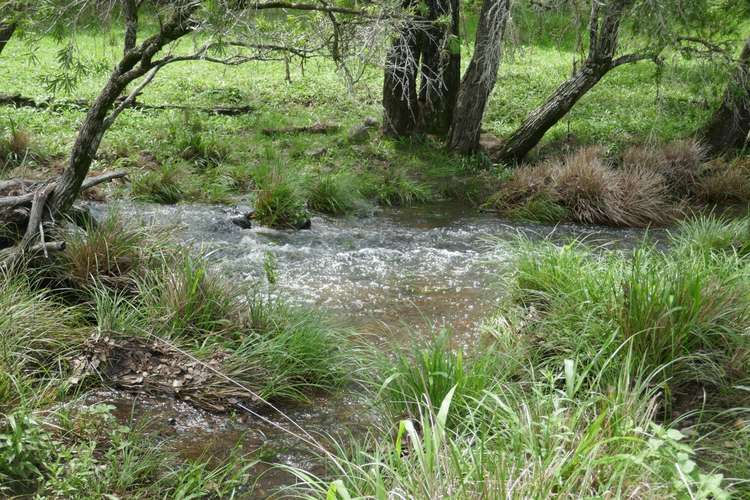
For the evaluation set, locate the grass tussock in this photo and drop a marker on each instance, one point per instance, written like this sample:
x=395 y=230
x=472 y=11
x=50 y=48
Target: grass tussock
x=679 y=162
x=584 y=187
x=334 y=194
x=110 y=252
x=159 y=186
x=278 y=201
x=15 y=149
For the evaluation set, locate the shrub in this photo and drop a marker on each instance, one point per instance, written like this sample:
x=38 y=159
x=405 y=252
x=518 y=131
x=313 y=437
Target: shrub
x=278 y=202
x=161 y=186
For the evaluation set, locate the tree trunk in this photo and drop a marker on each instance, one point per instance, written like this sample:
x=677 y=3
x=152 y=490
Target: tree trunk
x=480 y=77
x=441 y=67
x=400 y=108
x=729 y=128
x=539 y=121
x=134 y=64
x=6 y=33
x=603 y=36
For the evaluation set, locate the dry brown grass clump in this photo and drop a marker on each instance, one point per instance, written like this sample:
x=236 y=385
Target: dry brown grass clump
x=679 y=162
x=725 y=182
x=14 y=149
x=588 y=187
x=644 y=197
x=584 y=187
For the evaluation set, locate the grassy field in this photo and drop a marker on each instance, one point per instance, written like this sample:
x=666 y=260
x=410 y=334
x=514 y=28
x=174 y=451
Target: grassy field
x=194 y=156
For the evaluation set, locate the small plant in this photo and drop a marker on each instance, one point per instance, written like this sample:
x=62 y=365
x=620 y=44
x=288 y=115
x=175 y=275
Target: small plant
x=416 y=386
x=109 y=252
x=271 y=267
x=198 y=146
x=188 y=300
x=15 y=149
x=395 y=187
x=24 y=451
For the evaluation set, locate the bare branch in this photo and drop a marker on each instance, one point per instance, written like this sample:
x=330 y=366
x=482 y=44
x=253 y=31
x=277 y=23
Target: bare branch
x=128 y=101
x=99 y=179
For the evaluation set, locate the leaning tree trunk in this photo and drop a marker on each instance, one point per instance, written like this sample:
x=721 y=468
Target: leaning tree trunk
x=48 y=201
x=6 y=33
x=729 y=127
x=539 y=121
x=480 y=77
x=441 y=67
x=400 y=109
x=135 y=63
x=603 y=32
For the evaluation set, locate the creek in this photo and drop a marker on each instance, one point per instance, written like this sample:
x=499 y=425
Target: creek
x=397 y=278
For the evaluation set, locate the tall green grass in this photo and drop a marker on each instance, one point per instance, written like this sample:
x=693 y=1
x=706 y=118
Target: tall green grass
x=587 y=386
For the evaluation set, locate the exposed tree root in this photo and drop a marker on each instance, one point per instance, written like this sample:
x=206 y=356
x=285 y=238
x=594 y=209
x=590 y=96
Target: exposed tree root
x=24 y=205
x=20 y=101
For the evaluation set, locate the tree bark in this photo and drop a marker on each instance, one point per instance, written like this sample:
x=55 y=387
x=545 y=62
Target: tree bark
x=440 y=68
x=603 y=37
x=400 y=84
x=729 y=127
x=6 y=33
x=480 y=77
x=134 y=64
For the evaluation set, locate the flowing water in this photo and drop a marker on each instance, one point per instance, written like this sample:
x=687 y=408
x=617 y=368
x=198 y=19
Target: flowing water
x=398 y=277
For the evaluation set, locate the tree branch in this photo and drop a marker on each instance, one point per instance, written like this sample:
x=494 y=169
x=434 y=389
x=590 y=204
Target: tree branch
x=631 y=58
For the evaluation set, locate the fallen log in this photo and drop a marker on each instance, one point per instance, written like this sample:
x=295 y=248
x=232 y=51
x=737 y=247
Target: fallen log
x=318 y=128
x=27 y=213
x=20 y=101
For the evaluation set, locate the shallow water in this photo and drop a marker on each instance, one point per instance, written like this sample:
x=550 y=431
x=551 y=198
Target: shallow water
x=398 y=276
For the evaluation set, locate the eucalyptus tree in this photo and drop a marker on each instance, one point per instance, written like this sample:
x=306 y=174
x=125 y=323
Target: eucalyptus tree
x=480 y=77
x=423 y=69
x=650 y=26
x=227 y=32
x=729 y=127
